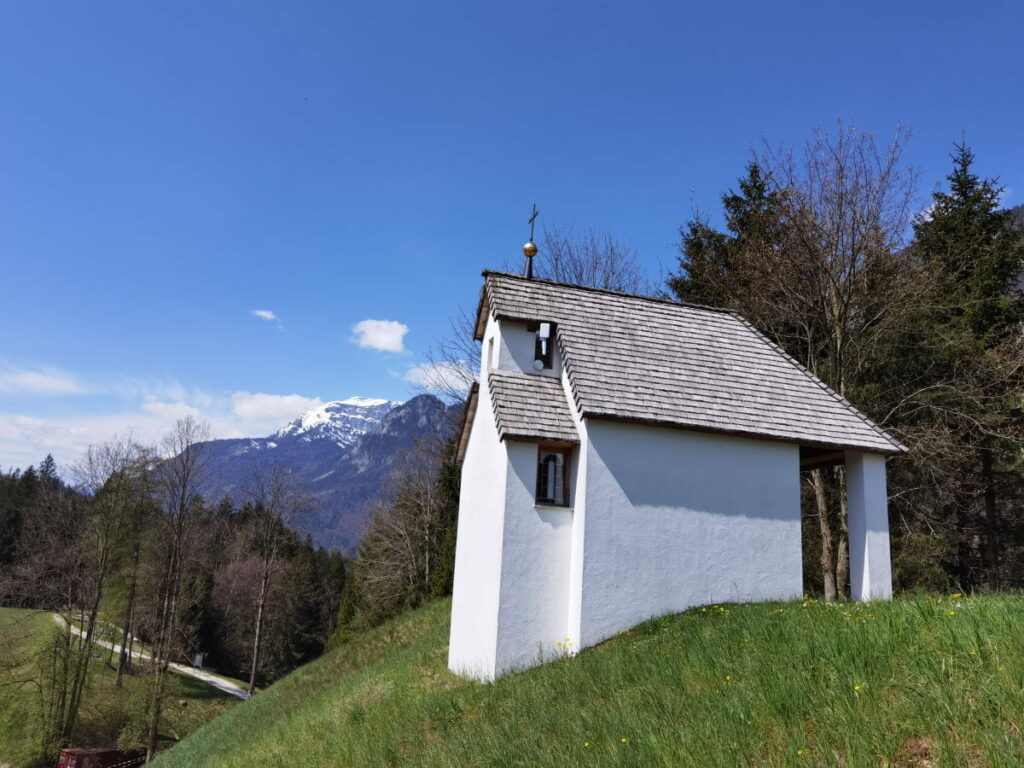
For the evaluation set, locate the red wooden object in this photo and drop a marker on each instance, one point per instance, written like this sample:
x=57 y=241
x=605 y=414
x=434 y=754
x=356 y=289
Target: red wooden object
x=100 y=757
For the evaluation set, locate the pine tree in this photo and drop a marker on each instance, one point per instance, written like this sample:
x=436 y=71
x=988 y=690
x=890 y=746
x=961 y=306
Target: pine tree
x=978 y=250
x=976 y=254
x=716 y=267
x=48 y=472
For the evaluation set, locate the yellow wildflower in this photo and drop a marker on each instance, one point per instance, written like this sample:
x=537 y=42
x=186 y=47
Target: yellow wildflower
x=857 y=687
x=623 y=741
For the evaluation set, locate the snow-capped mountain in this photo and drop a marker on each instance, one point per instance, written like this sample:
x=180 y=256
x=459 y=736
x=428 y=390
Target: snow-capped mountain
x=342 y=452
x=340 y=421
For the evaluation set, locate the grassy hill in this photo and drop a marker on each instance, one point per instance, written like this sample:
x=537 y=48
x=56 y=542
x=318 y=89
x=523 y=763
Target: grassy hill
x=921 y=682
x=106 y=712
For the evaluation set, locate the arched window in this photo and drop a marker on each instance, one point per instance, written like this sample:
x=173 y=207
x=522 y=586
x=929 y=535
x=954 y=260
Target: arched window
x=552 y=476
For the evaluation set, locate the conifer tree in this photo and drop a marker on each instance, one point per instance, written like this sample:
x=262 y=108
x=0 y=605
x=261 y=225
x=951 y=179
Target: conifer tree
x=979 y=251
x=976 y=253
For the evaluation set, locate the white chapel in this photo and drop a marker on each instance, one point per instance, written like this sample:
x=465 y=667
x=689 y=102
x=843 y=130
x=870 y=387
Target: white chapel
x=625 y=457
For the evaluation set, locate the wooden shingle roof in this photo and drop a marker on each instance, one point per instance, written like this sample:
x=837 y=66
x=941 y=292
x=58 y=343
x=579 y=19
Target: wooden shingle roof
x=650 y=360
x=530 y=407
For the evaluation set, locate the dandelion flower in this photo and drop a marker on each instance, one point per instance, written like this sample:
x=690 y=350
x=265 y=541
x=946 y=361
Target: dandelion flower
x=799 y=751
x=952 y=613
x=857 y=687
x=586 y=744
x=623 y=741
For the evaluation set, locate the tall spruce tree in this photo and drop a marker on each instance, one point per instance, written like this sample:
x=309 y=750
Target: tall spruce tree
x=976 y=253
x=716 y=268
x=979 y=250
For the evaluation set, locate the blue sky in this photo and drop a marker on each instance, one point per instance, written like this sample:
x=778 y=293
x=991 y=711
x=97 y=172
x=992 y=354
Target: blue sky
x=167 y=168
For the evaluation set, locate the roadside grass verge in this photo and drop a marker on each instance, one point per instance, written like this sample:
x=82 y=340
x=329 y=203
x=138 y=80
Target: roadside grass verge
x=913 y=682
x=109 y=634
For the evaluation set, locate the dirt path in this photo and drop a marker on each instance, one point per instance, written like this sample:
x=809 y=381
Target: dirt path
x=183 y=669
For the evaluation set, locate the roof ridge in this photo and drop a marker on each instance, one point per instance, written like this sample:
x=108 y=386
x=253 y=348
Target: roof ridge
x=817 y=380
x=608 y=291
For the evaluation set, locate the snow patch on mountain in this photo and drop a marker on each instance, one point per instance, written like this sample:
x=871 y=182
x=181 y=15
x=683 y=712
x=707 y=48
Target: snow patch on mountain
x=340 y=421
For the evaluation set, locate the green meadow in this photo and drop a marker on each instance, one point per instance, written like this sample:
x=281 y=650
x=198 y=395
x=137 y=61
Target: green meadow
x=927 y=681
x=108 y=713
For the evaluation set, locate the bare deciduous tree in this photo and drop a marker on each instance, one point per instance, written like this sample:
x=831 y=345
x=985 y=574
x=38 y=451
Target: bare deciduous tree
x=112 y=476
x=592 y=258
x=817 y=259
x=179 y=478
x=278 y=503
x=846 y=202
x=54 y=577
x=400 y=547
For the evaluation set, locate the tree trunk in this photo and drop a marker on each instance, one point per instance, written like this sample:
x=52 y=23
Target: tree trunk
x=261 y=601
x=843 y=555
x=991 y=524
x=81 y=671
x=160 y=649
x=828 y=568
x=125 y=658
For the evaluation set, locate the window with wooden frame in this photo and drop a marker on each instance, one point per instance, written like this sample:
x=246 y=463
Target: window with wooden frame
x=553 y=475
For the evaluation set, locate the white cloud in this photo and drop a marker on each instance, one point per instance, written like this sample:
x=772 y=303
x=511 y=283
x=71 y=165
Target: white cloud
x=170 y=411
x=38 y=382
x=27 y=439
x=262 y=413
x=263 y=314
x=456 y=376
x=385 y=335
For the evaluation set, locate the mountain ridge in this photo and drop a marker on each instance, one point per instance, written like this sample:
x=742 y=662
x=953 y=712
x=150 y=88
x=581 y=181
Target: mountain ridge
x=342 y=452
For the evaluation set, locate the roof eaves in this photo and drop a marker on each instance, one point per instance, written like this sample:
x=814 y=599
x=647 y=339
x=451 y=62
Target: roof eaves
x=481 y=316
x=468 y=415
x=652 y=422
x=513 y=432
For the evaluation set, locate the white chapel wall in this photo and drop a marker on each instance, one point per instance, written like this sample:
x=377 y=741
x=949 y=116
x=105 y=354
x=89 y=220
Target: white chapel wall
x=478 y=552
x=517 y=349
x=533 y=616
x=676 y=519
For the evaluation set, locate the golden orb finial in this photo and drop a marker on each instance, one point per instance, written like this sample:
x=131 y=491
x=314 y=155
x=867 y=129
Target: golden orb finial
x=530 y=249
